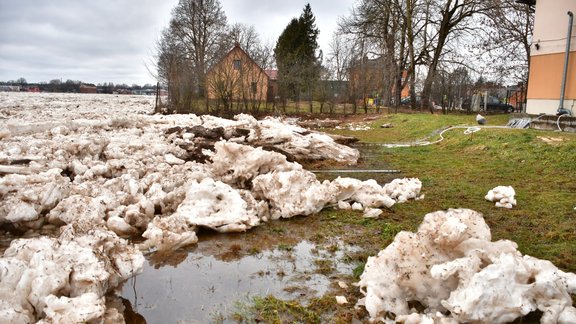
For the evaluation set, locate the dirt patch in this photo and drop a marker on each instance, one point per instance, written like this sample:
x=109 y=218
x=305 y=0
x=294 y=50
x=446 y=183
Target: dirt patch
x=475 y=148
x=555 y=141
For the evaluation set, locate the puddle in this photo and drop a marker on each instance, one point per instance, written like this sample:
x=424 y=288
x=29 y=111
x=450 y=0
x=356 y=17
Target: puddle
x=196 y=287
x=204 y=282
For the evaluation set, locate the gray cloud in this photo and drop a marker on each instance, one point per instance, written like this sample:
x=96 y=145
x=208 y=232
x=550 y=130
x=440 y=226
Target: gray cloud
x=111 y=41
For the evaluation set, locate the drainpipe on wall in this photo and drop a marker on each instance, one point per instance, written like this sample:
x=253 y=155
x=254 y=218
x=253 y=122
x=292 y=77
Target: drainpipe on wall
x=561 y=109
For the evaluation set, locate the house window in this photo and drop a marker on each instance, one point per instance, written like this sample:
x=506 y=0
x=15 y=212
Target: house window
x=254 y=87
x=236 y=64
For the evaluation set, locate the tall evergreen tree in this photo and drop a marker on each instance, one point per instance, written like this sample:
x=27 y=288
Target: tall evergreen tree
x=297 y=58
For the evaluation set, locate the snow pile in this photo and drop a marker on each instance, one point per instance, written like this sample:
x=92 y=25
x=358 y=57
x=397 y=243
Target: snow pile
x=127 y=172
x=216 y=205
x=99 y=167
x=355 y=126
x=244 y=187
x=451 y=264
x=21 y=108
x=295 y=141
x=503 y=196
x=403 y=189
x=64 y=280
x=26 y=197
x=165 y=176
x=273 y=134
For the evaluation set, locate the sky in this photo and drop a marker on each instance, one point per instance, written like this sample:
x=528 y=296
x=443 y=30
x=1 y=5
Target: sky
x=113 y=40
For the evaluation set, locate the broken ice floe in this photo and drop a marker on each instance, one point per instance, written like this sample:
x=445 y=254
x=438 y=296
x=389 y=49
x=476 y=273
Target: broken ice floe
x=451 y=267
x=64 y=280
x=503 y=196
x=260 y=186
x=71 y=165
x=142 y=180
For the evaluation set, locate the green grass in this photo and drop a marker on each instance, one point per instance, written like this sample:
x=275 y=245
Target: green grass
x=414 y=127
x=271 y=310
x=459 y=171
x=456 y=173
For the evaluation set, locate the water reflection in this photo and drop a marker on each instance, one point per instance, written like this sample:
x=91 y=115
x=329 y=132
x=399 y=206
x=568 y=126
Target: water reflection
x=130 y=316
x=203 y=283
x=201 y=288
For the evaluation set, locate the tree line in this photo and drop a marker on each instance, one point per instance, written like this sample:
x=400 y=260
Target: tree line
x=432 y=45
x=73 y=86
x=437 y=49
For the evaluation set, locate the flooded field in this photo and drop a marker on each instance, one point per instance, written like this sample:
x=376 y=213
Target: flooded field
x=81 y=173
x=198 y=287
x=125 y=220
x=210 y=281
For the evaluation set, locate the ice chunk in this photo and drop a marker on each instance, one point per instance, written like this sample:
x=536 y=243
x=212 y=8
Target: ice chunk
x=503 y=196
x=344 y=205
x=81 y=309
x=171 y=159
x=357 y=206
x=372 y=212
x=340 y=300
x=216 y=205
x=168 y=234
x=64 y=280
x=451 y=264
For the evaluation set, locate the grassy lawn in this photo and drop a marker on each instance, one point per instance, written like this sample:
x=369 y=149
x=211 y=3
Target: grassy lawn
x=456 y=173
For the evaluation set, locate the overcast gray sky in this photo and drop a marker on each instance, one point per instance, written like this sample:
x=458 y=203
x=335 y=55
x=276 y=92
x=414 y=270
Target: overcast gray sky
x=112 y=40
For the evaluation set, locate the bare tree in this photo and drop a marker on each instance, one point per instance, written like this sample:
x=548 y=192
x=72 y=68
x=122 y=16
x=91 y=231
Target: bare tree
x=448 y=20
x=192 y=43
x=245 y=36
x=451 y=88
x=175 y=71
x=391 y=31
x=339 y=60
x=507 y=38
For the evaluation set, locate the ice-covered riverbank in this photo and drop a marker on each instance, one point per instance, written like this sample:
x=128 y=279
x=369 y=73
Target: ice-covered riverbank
x=94 y=170
x=101 y=164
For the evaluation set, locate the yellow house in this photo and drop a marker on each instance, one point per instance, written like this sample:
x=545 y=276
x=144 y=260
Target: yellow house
x=547 y=58
x=237 y=78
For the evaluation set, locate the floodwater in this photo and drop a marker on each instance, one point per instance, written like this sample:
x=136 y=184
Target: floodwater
x=208 y=281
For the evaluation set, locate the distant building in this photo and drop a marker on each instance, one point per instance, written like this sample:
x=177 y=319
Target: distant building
x=237 y=77
x=272 y=84
x=32 y=89
x=87 y=88
x=367 y=81
x=547 y=57
x=10 y=88
x=516 y=96
x=147 y=92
